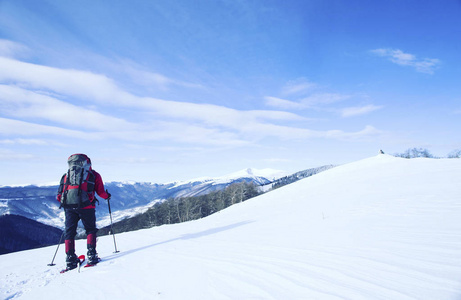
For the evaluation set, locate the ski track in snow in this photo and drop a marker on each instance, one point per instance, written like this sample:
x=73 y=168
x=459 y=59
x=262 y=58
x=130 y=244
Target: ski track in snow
x=381 y=228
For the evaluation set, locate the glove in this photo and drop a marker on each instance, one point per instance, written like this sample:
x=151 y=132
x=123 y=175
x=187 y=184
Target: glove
x=107 y=192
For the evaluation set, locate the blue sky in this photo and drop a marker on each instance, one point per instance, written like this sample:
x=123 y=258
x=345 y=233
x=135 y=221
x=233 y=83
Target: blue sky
x=171 y=90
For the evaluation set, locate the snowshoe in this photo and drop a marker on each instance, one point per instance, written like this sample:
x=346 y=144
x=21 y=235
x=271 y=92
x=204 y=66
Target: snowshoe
x=73 y=262
x=93 y=258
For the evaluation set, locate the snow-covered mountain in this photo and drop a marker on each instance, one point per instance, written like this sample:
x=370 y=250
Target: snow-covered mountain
x=379 y=228
x=259 y=176
x=38 y=202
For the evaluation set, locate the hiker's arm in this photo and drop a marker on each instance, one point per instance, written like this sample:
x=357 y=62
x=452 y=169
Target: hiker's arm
x=99 y=186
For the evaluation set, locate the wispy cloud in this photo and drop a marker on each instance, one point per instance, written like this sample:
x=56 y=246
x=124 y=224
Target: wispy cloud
x=298 y=86
x=24 y=104
x=324 y=99
x=11 y=127
x=33 y=142
x=39 y=100
x=359 y=110
x=139 y=75
x=283 y=103
x=82 y=84
x=311 y=101
x=8 y=155
x=12 y=49
x=424 y=65
x=368 y=131
x=95 y=88
x=276 y=160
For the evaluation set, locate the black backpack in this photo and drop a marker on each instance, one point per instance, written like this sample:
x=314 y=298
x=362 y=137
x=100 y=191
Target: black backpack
x=78 y=183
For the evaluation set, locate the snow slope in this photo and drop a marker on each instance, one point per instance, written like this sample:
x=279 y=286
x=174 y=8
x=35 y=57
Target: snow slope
x=379 y=228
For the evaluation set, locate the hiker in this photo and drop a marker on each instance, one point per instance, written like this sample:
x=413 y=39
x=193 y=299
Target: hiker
x=77 y=196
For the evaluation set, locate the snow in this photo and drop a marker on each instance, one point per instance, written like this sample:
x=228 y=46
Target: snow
x=123 y=214
x=379 y=228
x=46 y=184
x=267 y=173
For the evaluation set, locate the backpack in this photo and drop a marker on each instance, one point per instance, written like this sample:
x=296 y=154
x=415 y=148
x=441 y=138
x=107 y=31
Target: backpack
x=77 y=185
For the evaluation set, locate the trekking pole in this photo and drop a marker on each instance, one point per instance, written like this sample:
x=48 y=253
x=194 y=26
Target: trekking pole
x=111 y=228
x=60 y=240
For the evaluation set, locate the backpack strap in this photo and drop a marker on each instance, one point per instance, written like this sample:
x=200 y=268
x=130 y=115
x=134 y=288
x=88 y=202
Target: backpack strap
x=61 y=184
x=91 y=181
x=79 y=193
x=65 y=177
x=61 y=189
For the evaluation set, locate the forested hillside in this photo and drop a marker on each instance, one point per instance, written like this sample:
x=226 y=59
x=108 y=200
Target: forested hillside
x=185 y=209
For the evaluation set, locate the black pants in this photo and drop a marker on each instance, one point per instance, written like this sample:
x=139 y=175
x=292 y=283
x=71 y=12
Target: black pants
x=73 y=215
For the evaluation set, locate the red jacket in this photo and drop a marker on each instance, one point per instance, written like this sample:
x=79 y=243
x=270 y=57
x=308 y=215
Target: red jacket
x=98 y=188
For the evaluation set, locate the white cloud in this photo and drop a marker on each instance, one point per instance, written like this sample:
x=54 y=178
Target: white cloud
x=215 y=116
x=311 y=101
x=8 y=155
x=94 y=87
x=358 y=110
x=323 y=99
x=277 y=160
x=142 y=77
x=425 y=65
x=24 y=104
x=12 y=49
x=151 y=118
x=298 y=86
x=19 y=141
x=367 y=132
x=82 y=84
x=185 y=132
x=10 y=127
x=282 y=103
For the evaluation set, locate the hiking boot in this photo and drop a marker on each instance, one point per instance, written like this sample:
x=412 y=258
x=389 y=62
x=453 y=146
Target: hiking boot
x=72 y=261
x=92 y=256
